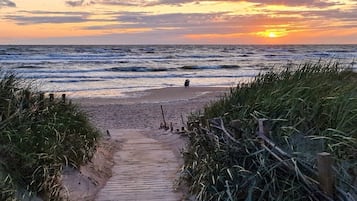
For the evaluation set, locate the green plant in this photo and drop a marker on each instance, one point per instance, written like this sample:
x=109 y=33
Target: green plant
x=311 y=109
x=37 y=138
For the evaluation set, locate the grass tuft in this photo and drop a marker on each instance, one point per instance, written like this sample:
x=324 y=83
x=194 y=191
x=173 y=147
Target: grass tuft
x=311 y=109
x=38 y=137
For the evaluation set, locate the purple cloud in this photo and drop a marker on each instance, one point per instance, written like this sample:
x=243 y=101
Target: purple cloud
x=76 y=3
x=7 y=3
x=309 y=3
x=63 y=17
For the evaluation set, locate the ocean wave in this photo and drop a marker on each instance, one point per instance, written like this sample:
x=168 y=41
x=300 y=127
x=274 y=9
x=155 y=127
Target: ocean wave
x=75 y=80
x=200 y=56
x=137 y=69
x=321 y=54
x=29 y=67
x=38 y=70
x=194 y=67
x=340 y=51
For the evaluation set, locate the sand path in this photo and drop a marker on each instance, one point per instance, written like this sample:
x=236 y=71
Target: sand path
x=145 y=166
x=145 y=169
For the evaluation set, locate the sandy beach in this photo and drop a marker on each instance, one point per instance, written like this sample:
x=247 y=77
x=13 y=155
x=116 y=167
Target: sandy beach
x=142 y=111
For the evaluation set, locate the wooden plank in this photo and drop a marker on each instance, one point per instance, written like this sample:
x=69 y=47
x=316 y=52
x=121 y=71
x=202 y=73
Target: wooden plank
x=145 y=169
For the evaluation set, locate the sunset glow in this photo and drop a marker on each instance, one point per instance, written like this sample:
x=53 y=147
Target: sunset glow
x=272 y=35
x=178 y=22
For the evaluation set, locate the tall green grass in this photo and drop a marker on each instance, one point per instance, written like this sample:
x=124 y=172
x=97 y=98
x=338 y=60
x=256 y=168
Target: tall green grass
x=310 y=109
x=38 y=138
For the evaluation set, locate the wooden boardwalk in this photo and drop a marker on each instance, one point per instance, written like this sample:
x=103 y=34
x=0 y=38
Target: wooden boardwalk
x=144 y=170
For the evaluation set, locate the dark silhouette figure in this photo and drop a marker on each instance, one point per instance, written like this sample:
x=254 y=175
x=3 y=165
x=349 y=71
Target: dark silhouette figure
x=187 y=83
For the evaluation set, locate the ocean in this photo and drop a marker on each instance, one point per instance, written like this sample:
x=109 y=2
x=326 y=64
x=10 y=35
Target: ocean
x=112 y=71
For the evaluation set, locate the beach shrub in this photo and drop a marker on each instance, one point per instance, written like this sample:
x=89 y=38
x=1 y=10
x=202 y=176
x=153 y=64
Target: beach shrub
x=310 y=109
x=38 y=137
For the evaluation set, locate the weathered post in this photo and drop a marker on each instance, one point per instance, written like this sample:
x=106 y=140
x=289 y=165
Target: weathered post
x=163 y=117
x=236 y=126
x=63 y=98
x=325 y=173
x=42 y=101
x=262 y=129
x=204 y=121
x=182 y=121
x=26 y=100
x=52 y=97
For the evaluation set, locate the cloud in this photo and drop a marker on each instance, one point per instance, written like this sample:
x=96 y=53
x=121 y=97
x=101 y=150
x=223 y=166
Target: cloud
x=308 y=3
x=76 y=3
x=324 y=15
x=336 y=14
x=7 y=3
x=48 y=17
x=193 y=23
x=53 y=13
x=170 y=20
x=194 y=20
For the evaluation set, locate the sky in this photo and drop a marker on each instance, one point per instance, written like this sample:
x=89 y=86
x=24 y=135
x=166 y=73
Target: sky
x=178 y=22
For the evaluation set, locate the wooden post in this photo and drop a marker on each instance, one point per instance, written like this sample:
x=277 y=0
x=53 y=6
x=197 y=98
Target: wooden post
x=189 y=126
x=28 y=95
x=63 y=98
x=182 y=121
x=52 y=97
x=196 y=124
x=42 y=101
x=42 y=96
x=203 y=121
x=236 y=125
x=163 y=117
x=27 y=98
x=262 y=130
x=171 y=127
x=263 y=127
x=326 y=176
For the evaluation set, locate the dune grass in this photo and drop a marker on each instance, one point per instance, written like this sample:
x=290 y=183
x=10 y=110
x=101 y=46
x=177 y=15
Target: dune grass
x=310 y=109
x=37 y=139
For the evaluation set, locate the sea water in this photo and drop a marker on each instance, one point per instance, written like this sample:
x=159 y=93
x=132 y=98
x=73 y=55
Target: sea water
x=111 y=71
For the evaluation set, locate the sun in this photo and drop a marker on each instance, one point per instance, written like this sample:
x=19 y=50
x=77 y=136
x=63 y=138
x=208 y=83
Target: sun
x=272 y=35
